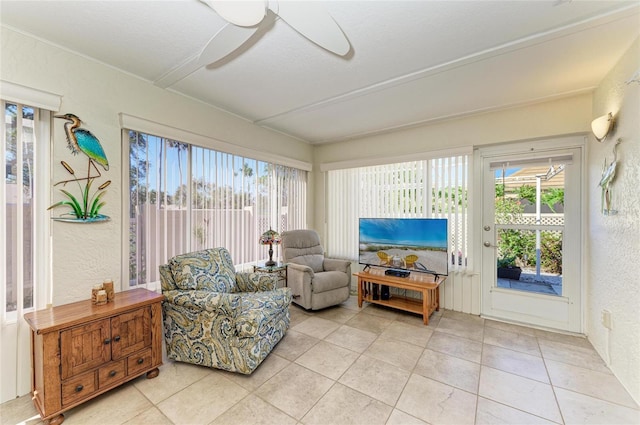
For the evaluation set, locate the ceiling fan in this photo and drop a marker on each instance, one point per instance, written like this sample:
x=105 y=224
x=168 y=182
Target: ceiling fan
x=248 y=18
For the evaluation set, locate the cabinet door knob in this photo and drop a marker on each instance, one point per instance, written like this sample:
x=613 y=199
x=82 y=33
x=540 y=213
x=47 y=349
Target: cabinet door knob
x=107 y=341
x=140 y=360
x=116 y=338
x=112 y=373
x=79 y=388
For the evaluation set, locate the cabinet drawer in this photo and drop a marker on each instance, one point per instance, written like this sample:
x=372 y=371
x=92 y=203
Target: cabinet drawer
x=77 y=388
x=110 y=373
x=139 y=362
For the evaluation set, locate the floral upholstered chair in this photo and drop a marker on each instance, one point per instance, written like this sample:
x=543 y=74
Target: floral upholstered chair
x=216 y=317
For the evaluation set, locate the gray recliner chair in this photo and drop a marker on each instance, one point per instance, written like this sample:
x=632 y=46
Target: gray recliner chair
x=315 y=281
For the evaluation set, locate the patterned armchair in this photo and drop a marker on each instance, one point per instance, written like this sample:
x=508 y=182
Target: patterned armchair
x=216 y=317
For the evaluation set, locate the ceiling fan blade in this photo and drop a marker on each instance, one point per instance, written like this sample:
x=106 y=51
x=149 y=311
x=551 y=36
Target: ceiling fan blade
x=243 y=13
x=223 y=43
x=313 y=21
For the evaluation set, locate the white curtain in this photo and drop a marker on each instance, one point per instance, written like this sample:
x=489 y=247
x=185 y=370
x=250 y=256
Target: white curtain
x=436 y=187
x=186 y=198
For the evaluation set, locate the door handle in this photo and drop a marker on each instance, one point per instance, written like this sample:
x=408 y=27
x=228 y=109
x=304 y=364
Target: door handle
x=488 y=244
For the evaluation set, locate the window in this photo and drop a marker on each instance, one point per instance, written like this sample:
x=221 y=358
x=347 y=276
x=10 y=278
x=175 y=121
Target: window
x=18 y=198
x=427 y=188
x=185 y=198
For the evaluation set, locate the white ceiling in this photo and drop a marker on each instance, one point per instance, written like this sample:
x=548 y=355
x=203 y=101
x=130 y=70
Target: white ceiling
x=411 y=62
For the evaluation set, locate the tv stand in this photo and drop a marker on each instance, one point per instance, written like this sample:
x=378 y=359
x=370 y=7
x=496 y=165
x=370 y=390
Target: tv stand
x=425 y=284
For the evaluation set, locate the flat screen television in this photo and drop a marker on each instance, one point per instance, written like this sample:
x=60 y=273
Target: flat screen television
x=406 y=244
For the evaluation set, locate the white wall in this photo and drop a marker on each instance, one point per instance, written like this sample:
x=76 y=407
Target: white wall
x=613 y=279
x=84 y=255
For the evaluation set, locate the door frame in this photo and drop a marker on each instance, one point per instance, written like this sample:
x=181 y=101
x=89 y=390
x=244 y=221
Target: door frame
x=576 y=323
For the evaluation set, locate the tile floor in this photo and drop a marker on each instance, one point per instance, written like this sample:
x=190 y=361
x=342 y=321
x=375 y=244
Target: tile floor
x=346 y=365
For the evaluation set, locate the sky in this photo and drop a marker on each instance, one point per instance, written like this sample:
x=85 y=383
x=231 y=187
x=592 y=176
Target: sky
x=404 y=231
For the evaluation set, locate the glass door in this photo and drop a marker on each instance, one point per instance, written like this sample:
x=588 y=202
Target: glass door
x=531 y=238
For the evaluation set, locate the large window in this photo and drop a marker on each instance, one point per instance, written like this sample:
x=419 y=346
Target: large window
x=427 y=188
x=18 y=198
x=185 y=198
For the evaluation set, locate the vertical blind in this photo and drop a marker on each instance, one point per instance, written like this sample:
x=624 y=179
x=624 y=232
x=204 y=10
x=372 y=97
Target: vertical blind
x=17 y=194
x=428 y=188
x=186 y=198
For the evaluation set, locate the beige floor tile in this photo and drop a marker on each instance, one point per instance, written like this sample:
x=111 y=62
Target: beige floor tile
x=294 y=390
x=376 y=379
x=150 y=416
x=381 y=311
x=449 y=370
x=465 y=317
x=511 y=340
x=351 y=303
x=19 y=411
x=369 y=322
x=297 y=315
x=173 y=377
x=294 y=344
x=112 y=408
x=416 y=320
x=269 y=367
x=342 y=405
x=459 y=347
x=396 y=353
x=316 y=327
x=510 y=327
x=582 y=409
x=255 y=411
x=515 y=362
x=521 y=393
x=408 y=333
x=491 y=413
x=465 y=329
x=371 y=354
x=398 y=417
x=203 y=401
x=327 y=359
x=589 y=382
x=352 y=338
x=437 y=403
x=578 y=341
x=337 y=314
x=571 y=354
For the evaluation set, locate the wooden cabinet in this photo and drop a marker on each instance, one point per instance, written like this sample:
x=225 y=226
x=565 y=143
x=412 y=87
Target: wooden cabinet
x=81 y=350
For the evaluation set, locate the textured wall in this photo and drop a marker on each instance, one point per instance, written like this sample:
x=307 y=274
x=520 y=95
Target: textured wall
x=613 y=278
x=84 y=255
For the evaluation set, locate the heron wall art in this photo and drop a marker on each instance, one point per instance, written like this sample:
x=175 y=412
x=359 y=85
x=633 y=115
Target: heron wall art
x=86 y=208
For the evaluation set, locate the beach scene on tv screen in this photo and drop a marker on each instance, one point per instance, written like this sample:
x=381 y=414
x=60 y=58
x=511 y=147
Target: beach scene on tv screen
x=412 y=244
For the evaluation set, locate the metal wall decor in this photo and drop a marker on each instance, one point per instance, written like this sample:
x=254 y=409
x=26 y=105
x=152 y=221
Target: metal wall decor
x=86 y=207
x=608 y=174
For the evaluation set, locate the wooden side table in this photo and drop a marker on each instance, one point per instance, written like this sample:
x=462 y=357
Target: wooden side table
x=279 y=268
x=426 y=284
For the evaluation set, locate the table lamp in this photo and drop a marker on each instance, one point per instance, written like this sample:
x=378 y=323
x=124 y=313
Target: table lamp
x=270 y=237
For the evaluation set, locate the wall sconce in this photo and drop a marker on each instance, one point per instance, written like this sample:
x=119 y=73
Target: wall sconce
x=601 y=126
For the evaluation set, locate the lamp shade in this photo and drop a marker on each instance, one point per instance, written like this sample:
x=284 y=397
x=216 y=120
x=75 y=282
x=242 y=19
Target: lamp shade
x=270 y=237
x=601 y=126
